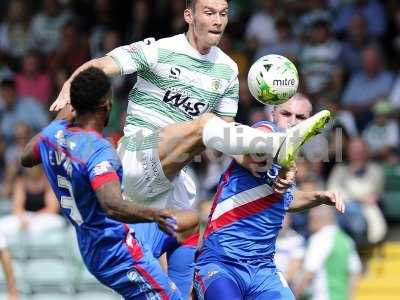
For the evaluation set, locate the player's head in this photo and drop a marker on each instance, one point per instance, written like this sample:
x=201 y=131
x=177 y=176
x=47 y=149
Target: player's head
x=320 y=217
x=296 y=109
x=90 y=93
x=357 y=151
x=207 y=20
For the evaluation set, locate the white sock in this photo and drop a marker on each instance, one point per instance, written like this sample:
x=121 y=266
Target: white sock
x=233 y=139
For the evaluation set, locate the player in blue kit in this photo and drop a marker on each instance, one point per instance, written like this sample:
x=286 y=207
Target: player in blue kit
x=85 y=173
x=236 y=259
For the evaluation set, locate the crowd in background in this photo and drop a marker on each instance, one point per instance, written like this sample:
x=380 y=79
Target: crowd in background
x=347 y=53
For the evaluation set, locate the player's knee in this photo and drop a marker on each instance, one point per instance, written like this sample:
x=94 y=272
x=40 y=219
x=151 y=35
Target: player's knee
x=202 y=121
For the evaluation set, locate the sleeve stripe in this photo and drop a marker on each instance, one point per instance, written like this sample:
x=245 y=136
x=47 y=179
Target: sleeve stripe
x=116 y=60
x=267 y=126
x=98 y=181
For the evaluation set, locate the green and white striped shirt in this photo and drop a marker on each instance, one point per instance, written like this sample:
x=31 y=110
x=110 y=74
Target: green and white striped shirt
x=176 y=83
x=331 y=256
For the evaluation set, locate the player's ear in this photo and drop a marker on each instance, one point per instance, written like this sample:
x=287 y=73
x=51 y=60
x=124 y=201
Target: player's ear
x=188 y=15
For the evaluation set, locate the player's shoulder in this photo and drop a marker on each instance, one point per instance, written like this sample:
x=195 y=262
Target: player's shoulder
x=223 y=58
x=54 y=126
x=172 y=43
x=271 y=126
x=85 y=143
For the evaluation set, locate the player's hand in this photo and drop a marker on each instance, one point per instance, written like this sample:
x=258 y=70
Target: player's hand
x=67 y=113
x=332 y=198
x=13 y=296
x=254 y=163
x=286 y=178
x=62 y=99
x=166 y=221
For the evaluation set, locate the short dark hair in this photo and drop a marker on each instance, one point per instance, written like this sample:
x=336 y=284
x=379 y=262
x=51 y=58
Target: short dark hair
x=192 y=3
x=88 y=90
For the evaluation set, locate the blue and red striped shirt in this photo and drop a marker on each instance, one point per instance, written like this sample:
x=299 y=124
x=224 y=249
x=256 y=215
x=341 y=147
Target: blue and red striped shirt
x=246 y=215
x=77 y=163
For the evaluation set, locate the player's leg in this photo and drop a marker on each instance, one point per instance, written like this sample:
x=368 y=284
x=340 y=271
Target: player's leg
x=180 y=253
x=152 y=160
x=269 y=283
x=213 y=282
x=138 y=275
x=180 y=263
x=179 y=143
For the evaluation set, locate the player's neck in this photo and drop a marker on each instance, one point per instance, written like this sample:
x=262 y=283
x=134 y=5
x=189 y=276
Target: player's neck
x=195 y=43
x=90 y=123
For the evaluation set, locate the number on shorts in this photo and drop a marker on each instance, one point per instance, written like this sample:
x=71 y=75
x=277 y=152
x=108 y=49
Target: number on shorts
x=69 y=201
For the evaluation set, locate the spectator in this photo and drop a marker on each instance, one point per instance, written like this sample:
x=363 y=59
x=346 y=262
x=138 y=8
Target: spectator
x=21 y=136
x=34 y=206
x=372 y=10
x=46 y=27
x=73 y=50
x=361 y=182
x=142 y=24
x=289 y=251
x=59 y=75
x=368 y=86
x=18 y=109
x=382 y=134
x=14 y=31
x=319 y=61
x=260 y=29
x=285 y=44
x=246 y=103
x=356 y=40
x=313 y=11
x=173 y=18
x=331 y=265
x=3 y=165
x=242 y=60
x=111 y=40
x=209 y=167
x=103 y=21
x=394 y=96
x=32 y=81
x=308 y=181
x=6 y=262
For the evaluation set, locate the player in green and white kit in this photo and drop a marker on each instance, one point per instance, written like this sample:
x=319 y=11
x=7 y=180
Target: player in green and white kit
x=331 y=265
x=184 y=101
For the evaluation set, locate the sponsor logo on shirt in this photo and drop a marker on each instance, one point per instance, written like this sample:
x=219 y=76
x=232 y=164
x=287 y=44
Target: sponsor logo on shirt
x=175 y=73
x=189 y=106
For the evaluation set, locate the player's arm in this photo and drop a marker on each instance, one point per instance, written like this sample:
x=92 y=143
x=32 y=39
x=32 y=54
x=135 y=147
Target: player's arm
x=110 y=198
x=30 y=156
x=105 y=63
x=116 y=207
x=306 y=200
x=120 y=61
x=5 y=258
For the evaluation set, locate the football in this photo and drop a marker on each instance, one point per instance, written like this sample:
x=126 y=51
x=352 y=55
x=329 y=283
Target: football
x=273 y=79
